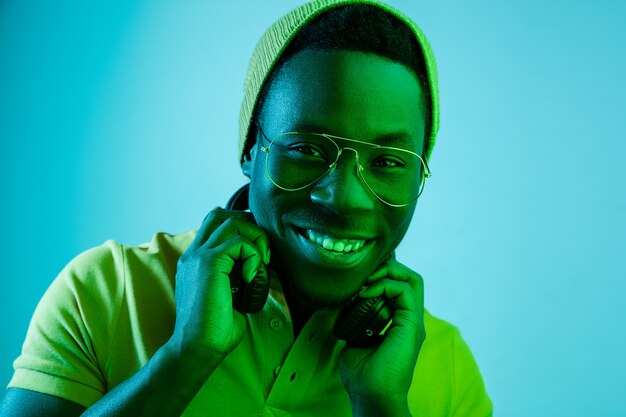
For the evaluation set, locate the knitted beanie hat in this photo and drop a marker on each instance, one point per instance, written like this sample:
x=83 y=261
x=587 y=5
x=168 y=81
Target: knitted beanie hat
x=276 y=39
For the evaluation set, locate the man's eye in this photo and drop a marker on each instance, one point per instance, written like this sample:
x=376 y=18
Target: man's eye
x=387 y=163
x=308 y=150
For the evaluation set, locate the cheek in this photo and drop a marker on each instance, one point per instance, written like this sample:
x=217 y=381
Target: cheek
x=264 y=198
x=260 y=192
x=399 y=223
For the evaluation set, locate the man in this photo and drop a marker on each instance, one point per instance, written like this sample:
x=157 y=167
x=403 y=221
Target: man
x=339 y=118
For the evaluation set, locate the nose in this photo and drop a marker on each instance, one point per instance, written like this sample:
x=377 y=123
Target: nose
x=342 y=190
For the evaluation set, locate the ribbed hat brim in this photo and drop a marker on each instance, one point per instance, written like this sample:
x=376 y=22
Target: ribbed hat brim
x=275 y=40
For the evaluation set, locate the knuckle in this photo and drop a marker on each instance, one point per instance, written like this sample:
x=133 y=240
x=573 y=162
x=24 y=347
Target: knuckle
x=234 y=220
x=414 y=279
x=262 y=237
x=186 y=260
x=418 y=281
x=185 y=257
x=227 y=219
x=402 y=288
x=213 y=214
x=232 y=248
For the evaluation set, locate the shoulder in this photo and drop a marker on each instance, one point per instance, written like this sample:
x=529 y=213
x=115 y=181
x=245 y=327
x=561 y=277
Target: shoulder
x=444 y=351
x=95 y=323
x=163 y=243
x=93 y=286
x=439 y=330
x=113 y=274
x=162 y=246
x=112 y=258
x=445 y=341
x=447 y=379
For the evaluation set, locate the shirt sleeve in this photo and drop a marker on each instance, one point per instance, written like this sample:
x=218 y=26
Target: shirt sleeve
x=68 y=341
x=470 y=397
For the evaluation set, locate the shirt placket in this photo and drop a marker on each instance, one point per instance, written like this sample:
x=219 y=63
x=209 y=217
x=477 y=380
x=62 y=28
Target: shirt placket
x=297 y=371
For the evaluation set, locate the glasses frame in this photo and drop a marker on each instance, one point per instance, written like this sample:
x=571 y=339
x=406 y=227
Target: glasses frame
x=425 y=172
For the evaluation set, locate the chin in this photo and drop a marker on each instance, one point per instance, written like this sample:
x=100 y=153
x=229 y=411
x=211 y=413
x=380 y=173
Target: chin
x=326 y=292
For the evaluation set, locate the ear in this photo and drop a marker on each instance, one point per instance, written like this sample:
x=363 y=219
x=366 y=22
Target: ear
x=248 y=160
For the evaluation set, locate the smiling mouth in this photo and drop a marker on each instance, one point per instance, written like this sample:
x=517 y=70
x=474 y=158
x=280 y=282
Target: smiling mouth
x=332 y=243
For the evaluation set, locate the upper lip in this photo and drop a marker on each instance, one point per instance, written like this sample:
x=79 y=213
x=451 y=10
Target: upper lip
x=336 y=233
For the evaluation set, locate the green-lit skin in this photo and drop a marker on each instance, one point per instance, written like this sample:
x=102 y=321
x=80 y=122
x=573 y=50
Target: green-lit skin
x=361 y=96
x=349 y=94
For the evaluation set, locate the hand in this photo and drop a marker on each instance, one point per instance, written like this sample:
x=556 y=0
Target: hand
x=206 y=322
x=384 y=372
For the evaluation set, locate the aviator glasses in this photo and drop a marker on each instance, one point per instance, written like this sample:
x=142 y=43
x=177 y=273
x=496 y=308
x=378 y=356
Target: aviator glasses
x=295 y=160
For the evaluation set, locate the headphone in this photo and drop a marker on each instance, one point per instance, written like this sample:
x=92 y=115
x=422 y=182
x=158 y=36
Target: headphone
x=362 y=323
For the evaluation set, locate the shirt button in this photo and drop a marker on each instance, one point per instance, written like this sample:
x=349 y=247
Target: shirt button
x=277 y=370
x=276 y=323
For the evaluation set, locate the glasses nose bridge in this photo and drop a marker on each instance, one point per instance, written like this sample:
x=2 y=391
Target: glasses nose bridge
x=333 y=165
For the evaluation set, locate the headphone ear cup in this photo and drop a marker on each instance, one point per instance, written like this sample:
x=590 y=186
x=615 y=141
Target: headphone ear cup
x=249 y=297
x=361 y=322
x=256 y=292
x=239 y=200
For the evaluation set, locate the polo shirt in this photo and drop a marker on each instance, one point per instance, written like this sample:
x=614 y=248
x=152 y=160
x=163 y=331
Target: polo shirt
x=112 y=307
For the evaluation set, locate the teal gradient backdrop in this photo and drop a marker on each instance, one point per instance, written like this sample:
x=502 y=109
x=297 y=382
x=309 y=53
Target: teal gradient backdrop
x=120 y=120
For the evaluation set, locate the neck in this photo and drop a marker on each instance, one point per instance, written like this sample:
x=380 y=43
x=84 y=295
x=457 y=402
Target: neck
x=299 y=309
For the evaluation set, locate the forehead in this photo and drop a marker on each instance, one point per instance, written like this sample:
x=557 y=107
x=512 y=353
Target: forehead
x=346 y=93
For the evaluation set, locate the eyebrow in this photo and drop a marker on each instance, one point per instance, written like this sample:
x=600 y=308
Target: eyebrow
x=400 y=139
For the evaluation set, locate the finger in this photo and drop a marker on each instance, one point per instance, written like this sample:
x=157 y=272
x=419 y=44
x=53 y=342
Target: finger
x=380 y=272
x=205 y=229
x=408 y=308
x=235 y=226
x=240 y=249
x=404 y=295
x=395 y=270
x=212 y=221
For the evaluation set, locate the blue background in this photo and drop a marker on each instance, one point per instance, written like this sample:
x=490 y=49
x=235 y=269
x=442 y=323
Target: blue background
x=119 y=119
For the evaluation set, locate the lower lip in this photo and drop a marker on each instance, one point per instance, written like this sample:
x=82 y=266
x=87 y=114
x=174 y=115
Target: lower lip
x=330 y=259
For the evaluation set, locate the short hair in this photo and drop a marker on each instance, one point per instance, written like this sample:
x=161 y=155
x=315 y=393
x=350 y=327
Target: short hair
x=362 y=28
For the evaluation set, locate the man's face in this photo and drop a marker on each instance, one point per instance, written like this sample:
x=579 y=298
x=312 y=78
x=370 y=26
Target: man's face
x=354 y=95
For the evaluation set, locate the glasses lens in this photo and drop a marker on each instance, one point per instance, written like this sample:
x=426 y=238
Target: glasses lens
x=296 y=160
x=394 y=175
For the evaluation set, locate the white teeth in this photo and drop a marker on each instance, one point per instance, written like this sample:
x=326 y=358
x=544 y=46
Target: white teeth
x=335 y=245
